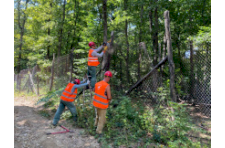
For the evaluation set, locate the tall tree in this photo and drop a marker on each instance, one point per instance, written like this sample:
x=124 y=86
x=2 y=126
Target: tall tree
x=61 y=29
x=154 y=25
x=140 y=39
x=49 y=33
x=21 y=24
x=127 y=43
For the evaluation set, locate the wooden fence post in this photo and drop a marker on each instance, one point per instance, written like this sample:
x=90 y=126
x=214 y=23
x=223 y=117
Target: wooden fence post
x=37 y=82
x=31 y=80
x=170 y=56
x=52 y=71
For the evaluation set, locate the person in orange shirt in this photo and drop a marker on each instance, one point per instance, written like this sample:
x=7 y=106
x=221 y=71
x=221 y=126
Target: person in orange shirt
x=93 y=61
x=68 y=96
x=101 y=101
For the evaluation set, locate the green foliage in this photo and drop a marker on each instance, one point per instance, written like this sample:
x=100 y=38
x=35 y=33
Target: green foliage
x=66 y=115
x=51 y=95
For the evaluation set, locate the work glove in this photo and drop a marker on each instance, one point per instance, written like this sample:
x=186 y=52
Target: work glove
x=88 y=82
x=105 y=48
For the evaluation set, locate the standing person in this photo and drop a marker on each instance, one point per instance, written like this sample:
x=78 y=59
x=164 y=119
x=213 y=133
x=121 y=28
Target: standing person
x=101 y=101
x=68 y=96
x=93 y=61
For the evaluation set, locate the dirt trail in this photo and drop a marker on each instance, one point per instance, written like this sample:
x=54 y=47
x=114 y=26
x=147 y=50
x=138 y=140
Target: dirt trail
x=30 y=129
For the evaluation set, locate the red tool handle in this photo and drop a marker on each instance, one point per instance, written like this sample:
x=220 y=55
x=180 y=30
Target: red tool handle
x=65 y=128
x=57 y=132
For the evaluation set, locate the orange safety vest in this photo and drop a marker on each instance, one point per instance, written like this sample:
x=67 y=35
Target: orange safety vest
x=67 y=94
x=100 y=99
x=92 y=61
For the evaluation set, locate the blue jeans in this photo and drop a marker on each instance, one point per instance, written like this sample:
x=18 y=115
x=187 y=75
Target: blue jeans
x=60 y=109
x=92 y=73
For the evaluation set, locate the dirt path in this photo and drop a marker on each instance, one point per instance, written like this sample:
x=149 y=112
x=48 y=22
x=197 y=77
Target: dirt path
x=30 y=129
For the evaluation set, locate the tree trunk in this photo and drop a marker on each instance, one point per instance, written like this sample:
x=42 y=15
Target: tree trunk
x=192 y=76
x=48 y=48
x=52 y=71
x=127 y=42
x=71 y=64
x=109 y=52
x=170 y=57
x=179 y=54
x=37 y=81
x=76 y=8
x=164 y=46
x=61 y=30
x=105 y=56
x=49 y=32
x=105 y=19
x=139 y=49
x=203 y=9
x=21 y=33
x=154 y=35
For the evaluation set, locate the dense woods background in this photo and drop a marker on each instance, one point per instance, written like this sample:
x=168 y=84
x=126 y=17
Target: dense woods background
x=44 y=27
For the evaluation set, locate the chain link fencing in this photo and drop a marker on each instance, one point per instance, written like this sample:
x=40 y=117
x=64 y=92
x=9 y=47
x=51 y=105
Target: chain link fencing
x=44 y=77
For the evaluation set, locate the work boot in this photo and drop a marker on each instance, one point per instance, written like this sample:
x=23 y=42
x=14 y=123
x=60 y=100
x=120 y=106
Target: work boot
x=53 y=126
x=75 y=118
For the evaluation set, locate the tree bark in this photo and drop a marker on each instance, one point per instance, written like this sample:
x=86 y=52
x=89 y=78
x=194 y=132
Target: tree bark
x=170 y=57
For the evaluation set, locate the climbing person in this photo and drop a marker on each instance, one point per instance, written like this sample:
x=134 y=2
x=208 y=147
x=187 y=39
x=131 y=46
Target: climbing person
x=101 y=101
x=68 y=96
x=93 y=61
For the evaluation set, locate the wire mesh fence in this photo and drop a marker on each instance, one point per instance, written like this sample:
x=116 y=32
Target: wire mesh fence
x=43 y=78
x=192 y=81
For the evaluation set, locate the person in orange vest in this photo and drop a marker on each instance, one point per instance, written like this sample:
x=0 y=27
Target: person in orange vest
x=68 y=96
x=101 y=101
x=93 y=61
